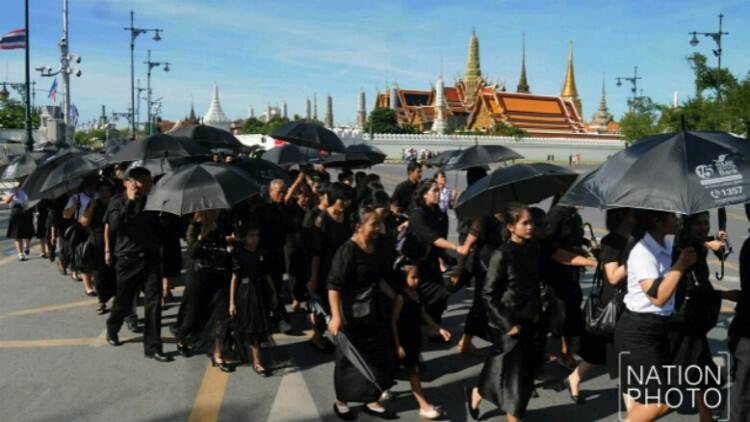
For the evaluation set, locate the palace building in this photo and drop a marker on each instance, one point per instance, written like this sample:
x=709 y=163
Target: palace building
x=476 y=104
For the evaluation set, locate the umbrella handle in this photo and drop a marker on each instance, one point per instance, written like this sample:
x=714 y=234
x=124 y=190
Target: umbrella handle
x=720 y=276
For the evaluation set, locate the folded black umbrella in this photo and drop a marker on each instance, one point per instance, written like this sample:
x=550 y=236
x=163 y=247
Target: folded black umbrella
x=69 y=173
x=525 y=183
x=683 y=172
x=159 y=145
x=198 y=187
x=261 y=170
x=480 y=155
x=210 y=137
x=309 y=135
x=290 y=155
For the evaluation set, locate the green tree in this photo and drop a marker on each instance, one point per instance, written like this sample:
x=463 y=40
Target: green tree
x=13 y=115
x=641 y=119
x=504 y=129
x=252 y=125
x=383 y=120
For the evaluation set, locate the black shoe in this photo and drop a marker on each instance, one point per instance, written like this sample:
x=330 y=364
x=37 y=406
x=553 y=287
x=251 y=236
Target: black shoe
x=221 y=365
x=473 y=411
x=113 y=340
x=133 y=326
x=348 y=416
x=52 y=256
x=183 y=349
x=574 y=399
x=158 y=356
x=385 y=414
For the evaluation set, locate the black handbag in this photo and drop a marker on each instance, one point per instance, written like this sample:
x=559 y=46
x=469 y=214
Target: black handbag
x=600 y=318
x=553 y=308
x=700 y=309
x=357 y=307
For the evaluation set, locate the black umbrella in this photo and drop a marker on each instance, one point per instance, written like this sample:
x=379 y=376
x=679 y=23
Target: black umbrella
x=309 y=135
x=55 y=146
x=442 y=158
x=210 y=137
x=261 y=170
x=159 y=145
x=33 y=184
x=347 y=160
x=199 y=187
x=290 y=155
x=525 y=183
x=579 y=195
x=159 y=166
x=111 y=148
x=480 y=155
x=373 y=153
x=19 y=166
x=69 y=173
x=683 y=172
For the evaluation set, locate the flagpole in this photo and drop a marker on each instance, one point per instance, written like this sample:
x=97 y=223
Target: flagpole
x=29 y=138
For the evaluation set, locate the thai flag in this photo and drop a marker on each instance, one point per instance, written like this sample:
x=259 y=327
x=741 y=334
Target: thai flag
x=53 y=91
x=74 y=114
x=13 y=40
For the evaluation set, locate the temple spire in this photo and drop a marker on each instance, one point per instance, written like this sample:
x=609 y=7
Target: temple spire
x=473 y=72
x=523 y=85
x=569 y=91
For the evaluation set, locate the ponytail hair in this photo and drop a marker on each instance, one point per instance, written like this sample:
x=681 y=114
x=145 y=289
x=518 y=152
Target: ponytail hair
x=514 y=211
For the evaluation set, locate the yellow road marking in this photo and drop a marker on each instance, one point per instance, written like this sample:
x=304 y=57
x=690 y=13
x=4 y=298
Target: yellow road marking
x=208 y=401
x=736 y=216
x=51 y=308
x=91 y=341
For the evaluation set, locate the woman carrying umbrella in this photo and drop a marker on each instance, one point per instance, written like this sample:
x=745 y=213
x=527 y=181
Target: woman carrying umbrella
x=511 y=298
x=426 y=223
x=21 y=225
x=93 y=220
x=358 y=271
x=642 y=333
x=204 y=309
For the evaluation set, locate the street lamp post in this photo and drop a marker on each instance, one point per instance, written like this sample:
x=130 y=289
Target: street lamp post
x=717 y=38
x=151 y=65
x=29 y=142
x=633 y=81
x=134 y=33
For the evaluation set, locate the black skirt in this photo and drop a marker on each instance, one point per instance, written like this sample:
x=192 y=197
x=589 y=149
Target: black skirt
x=41 y=223
x=21 y=224
x=372 y=343
x=642 y=341
x=251 y=325
x=507 y=377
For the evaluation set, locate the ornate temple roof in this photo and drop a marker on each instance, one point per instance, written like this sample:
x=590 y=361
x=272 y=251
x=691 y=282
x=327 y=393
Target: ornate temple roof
x=215 y=116
x=569 y=91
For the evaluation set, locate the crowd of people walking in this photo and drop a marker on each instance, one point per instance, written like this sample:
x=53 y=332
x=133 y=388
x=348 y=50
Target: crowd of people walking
x=372 y=270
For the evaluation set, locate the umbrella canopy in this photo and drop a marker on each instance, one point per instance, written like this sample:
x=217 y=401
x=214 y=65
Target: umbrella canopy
x=199 y=187
x=55 y=146
x=480 y=155
x=375 y=154
x=33 y=184
x=19 y=166
x=210 y=137
x=111 y=148
x=159 y=145
x=683 y=172
x=442 y=158
x=289 y=155
x=525 y=183
x=261 y=170
x=309 y=135
x=159 y=166
x=578 y=195
x=69 y=173
x=347 y=160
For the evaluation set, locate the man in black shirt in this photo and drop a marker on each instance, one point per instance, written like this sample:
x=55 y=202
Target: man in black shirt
x=402 y=194
x=138 y=264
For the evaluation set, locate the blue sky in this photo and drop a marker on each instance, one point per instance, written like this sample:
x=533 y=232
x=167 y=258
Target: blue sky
x=266 y=52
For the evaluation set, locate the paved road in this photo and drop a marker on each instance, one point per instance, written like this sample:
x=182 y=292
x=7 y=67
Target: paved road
x=56 y=365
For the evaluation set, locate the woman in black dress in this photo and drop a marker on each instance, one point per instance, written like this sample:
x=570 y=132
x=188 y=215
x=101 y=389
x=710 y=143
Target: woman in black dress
x=511 y=298
x=203 y=314
x=248 y=303
x=425 y=222
x=600 y=350
x=357 y=272
x=103 y=274
x=171 y=251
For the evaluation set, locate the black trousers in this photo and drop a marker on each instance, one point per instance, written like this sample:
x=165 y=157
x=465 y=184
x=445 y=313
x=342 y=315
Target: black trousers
x=740 y=393
x=133 y=274
x=276 y=264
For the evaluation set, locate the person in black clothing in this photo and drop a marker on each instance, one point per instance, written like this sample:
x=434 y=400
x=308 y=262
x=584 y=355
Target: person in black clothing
x=425 y=223
x=358 y=271
x=511 y=298
x=297 y=257
x=598 y=350
x=402 y=195
x=138 y=263
x=739 y=340
x=103 y=274
x=171 y=253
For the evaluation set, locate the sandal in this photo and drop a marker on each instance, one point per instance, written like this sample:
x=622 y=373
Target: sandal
x=102 y=309
x=260 y=369
x=468 y=349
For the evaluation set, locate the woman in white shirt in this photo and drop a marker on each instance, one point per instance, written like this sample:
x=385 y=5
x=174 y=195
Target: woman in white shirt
x=641 y=336
x=21 y=224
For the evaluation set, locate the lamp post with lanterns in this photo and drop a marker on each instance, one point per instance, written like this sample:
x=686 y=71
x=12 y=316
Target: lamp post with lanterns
x=134 y=33
x=149 y=103
x=716 y=36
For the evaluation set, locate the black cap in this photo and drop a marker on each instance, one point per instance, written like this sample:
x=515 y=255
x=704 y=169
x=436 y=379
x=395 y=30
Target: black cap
x=136 y=173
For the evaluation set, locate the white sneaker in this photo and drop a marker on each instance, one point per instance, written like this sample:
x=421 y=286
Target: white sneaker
x=431 y=414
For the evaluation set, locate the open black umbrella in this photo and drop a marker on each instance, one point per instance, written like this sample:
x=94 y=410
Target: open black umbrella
x=33 y=184
x=525 y=183
x=69 y=173
x=480 y=155
x=199 y=187
x=683 y=172
x=210 y=137
x=261 y=170
x=159 y=166
x=290 y=155
x=373 y=153
x=159 y=145
x=442 y=158
x=309 y=135
x=578 y=195
x=347 y=160
x=20 y=166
